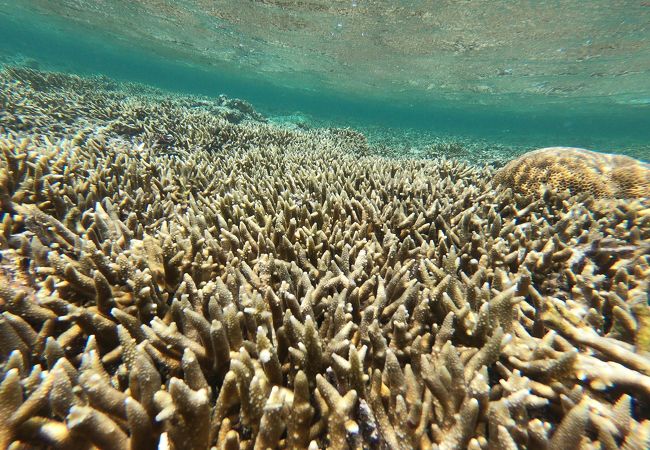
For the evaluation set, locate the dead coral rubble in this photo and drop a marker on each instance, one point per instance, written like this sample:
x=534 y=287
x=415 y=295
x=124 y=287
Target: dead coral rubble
x=290 y=295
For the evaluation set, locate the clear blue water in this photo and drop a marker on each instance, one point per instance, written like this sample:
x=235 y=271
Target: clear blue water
x=54 y=37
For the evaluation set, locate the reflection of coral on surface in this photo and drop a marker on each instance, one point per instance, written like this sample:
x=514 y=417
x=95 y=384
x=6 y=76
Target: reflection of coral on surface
x=282 y=292
x=578 y=170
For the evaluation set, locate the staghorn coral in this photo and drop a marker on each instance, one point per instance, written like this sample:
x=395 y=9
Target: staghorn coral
x=67 y=106
x=579 y=171
x=290 y=293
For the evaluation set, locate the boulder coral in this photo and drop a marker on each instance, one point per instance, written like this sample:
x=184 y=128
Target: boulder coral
x=578 y=171
x=285 y=291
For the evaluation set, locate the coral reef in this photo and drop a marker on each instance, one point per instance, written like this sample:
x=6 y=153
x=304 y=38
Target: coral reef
x=59 y=106
x=579 y=171
x=285 y=291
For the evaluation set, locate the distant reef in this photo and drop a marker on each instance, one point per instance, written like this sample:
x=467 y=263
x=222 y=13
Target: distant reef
x=176 y=273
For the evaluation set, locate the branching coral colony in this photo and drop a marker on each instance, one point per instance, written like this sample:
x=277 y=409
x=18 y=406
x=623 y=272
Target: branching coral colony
x=260 y=288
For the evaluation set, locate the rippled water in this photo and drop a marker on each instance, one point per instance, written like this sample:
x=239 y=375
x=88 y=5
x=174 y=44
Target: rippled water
x=533 y=72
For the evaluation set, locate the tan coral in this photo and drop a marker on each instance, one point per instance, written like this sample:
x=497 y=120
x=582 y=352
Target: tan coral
x=288 y=292
x=576 y=170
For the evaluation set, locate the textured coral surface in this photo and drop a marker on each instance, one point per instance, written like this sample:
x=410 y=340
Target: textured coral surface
x=579 y=171
x=240 y=286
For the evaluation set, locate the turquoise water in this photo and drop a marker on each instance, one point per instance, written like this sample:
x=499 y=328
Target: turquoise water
x=327 y=74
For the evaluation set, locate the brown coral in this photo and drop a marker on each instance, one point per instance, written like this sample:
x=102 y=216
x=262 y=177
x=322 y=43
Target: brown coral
x=286 y=292
x=578 y=171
